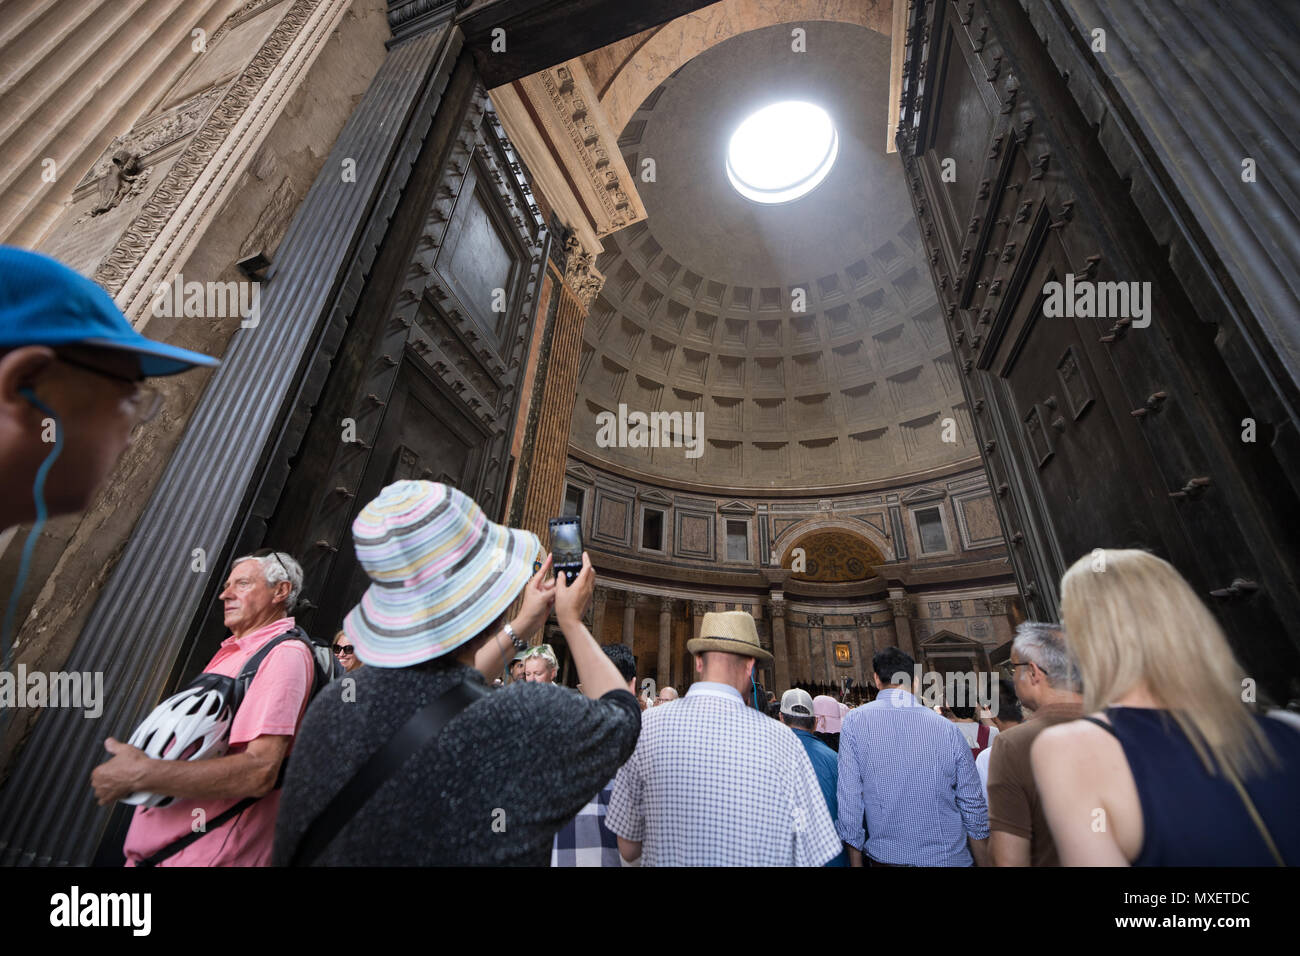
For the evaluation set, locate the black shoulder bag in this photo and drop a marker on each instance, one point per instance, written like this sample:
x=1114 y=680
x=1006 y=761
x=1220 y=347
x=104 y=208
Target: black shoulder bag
x=423 y=726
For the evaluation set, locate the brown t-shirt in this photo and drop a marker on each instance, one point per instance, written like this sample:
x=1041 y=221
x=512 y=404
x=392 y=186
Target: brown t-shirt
x=1014 y=806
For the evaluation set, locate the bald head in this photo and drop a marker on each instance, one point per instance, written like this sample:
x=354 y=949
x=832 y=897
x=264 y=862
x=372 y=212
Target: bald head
x=665 y=695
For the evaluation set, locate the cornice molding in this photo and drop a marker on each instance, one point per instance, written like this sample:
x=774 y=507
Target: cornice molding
x=175 y=216
x=893 y=483
x=556 y=122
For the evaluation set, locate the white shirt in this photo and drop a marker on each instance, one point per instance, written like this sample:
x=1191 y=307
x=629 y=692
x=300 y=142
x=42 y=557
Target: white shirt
x=715 y=783
x=982 y=768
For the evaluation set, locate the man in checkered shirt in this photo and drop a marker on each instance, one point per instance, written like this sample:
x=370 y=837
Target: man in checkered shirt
x=585 y=840
x=713 y=782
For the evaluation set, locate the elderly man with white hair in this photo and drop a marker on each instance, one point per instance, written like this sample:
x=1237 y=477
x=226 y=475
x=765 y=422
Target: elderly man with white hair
x=235 y=795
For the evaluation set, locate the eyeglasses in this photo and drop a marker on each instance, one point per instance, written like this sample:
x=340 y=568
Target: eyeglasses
x=271 y=553
x=341 y=649
x=146 y=400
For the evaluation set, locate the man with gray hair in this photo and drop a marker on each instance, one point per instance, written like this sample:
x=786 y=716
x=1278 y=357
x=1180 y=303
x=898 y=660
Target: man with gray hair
x=236 y=794
x=1046 y=679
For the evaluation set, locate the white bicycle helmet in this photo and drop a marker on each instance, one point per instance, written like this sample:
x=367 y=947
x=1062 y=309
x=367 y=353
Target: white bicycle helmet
x=193 y=724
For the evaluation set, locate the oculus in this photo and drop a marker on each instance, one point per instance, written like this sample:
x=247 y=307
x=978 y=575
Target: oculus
x=782 y=152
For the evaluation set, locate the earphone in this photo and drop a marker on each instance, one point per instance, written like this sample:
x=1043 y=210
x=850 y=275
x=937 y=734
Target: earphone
x=25 y=563
x=28 y=394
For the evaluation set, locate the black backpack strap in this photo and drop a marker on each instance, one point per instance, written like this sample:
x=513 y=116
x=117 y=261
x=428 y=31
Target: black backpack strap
x=251 y=666
x=171 y=849
x=422 y=727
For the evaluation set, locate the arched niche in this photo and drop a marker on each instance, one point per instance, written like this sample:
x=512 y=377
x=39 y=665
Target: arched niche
x=834 y=555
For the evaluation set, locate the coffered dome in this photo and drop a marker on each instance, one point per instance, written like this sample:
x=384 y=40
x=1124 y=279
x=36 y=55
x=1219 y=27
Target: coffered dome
x=806 y=333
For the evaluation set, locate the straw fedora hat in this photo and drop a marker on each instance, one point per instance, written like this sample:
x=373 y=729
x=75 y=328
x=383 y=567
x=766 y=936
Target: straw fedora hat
x=730 y=631
x=440 y=573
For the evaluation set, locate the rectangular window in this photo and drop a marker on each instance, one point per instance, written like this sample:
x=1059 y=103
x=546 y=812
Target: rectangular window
x=652 y=530
x=737 y=541
x=929 y=528
x=572 y=502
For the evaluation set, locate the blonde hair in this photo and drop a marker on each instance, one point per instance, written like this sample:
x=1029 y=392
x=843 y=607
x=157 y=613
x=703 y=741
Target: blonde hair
x=1131 y=620
x=545 y=652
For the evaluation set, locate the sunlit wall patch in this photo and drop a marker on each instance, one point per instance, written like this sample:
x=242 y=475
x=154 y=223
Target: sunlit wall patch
x=782 y=151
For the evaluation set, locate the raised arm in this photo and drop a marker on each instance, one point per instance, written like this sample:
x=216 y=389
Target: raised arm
x=539 y=596
x=596 y=672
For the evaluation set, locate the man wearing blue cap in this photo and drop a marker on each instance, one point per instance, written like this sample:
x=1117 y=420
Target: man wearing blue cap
x=71 y=391
x=71 y=385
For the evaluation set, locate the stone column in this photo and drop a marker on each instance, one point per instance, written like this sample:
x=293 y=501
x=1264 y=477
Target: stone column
x=665 y=641
x=780 y=653
x=629 y=620
x=817 y=648
x=698 y=610
x=550 y=415
x=901 y=606
x=866 y=648
x=999 y=610
x=599 y=599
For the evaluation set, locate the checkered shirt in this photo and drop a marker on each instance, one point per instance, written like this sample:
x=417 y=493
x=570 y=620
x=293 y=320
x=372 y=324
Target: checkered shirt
x=714 y=783
x=585 y=840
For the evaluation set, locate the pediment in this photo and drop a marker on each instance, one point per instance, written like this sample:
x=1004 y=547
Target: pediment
x=917 y=495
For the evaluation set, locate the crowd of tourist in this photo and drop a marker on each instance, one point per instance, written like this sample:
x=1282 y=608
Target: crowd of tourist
x=1123 y=735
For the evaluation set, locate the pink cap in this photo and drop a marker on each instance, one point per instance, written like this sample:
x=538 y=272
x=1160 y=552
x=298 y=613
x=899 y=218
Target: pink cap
x=827 y=711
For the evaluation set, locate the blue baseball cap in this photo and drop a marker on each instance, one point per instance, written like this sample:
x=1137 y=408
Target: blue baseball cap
x=43 y=302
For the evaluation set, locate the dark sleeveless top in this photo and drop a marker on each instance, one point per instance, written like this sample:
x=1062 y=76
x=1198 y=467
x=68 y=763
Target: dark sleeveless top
x=1190 y=818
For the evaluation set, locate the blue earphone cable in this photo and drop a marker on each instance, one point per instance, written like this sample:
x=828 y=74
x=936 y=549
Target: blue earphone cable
x=29 y=546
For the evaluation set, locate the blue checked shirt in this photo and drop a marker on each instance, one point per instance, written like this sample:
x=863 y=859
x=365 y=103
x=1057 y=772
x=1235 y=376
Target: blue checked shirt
x=714 y=783
x=585 y=840
x=911 y=772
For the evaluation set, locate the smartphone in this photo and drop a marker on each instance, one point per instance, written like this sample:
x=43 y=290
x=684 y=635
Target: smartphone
x=566 y=546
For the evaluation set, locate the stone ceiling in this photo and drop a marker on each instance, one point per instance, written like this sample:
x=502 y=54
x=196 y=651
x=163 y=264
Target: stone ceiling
x=696 y=312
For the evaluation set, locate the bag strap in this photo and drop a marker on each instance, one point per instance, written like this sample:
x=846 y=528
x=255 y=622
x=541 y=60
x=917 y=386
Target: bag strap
x=1255 y=817
x=171 y=849
x=241 y=681
x=422 y=727
x=982 y=736
x=254 y=663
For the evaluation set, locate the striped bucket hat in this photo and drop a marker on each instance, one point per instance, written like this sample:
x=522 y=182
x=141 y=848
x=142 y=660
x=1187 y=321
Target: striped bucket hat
x=440 y=570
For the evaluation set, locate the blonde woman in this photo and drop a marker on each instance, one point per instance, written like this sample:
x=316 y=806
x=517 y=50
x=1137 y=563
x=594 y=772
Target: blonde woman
x=540 y=664
x=1169 y=768
x=345 y=653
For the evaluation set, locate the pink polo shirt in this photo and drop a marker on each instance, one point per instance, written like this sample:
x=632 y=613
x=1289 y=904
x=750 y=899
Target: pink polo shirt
x=274 y=705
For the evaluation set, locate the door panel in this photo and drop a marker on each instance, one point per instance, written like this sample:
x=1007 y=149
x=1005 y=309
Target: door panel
x=427 y=384
x=1094 y=432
